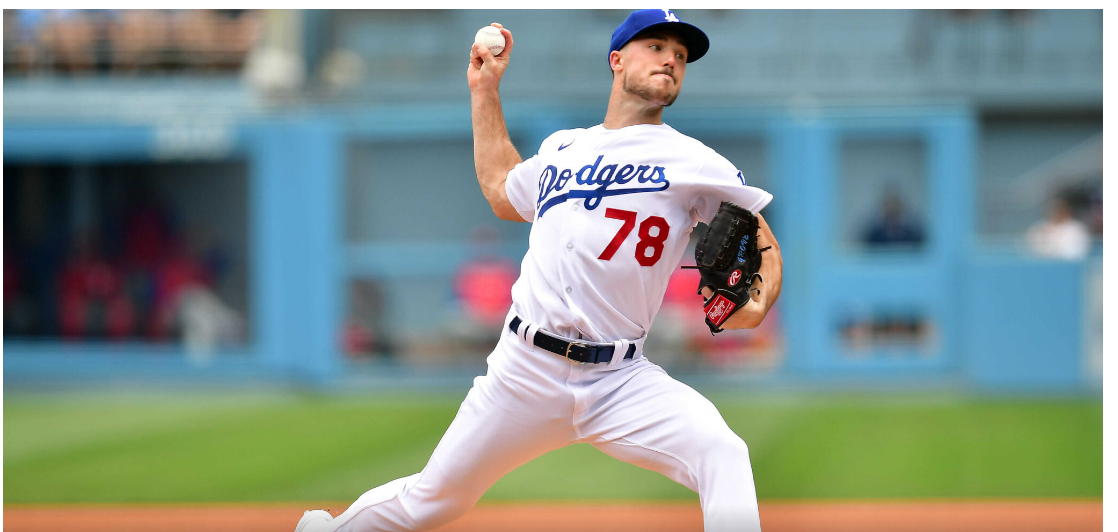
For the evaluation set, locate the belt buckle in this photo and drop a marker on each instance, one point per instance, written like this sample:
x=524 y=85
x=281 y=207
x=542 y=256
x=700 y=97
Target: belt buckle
x=568 y=354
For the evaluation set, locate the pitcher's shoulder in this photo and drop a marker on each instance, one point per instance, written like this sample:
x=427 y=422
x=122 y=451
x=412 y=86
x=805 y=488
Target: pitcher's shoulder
x=564 y=137
x=687 y=143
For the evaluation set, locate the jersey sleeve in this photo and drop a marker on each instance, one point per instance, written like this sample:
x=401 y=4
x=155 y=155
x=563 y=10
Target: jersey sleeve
x=522 y=184
x=717 y=181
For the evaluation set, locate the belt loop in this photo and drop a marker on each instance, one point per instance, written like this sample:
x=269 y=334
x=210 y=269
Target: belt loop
x=639 y=342
x=620 y=347
x=520 y=333
x=530 y=335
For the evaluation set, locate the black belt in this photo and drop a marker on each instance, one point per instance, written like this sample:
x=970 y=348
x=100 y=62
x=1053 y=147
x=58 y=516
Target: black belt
x=573 y=351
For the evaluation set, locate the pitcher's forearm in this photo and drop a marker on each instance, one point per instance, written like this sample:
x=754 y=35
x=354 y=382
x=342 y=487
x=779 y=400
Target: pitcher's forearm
x=494 y=154
x=772 y=264
x=772 y=276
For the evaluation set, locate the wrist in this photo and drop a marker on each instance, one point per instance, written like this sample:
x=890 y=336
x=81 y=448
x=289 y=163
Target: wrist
x=484 y=93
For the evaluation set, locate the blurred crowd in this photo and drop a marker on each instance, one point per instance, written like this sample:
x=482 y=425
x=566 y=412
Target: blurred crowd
x=893 y=224
x=680 y=335
x=478 y=300
x=118 y=41
x=472 y=319
x=136 y=277
x=898 y=331
x=1072 y=221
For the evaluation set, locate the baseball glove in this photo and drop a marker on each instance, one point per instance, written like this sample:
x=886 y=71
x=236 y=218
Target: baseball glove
x=728 y=260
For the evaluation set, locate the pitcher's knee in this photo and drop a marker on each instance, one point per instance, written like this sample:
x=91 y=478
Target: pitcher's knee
x=724 y=472
x=439 y=512
x=723 y=449
x=433 y=502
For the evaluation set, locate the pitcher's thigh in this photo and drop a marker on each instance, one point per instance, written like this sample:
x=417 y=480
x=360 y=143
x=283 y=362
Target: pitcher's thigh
x=489 y=437
x=661 y=424
x=492 y=434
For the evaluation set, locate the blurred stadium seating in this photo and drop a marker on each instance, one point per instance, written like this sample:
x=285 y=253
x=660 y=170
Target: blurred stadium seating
x=126 y=42
x=289 y=195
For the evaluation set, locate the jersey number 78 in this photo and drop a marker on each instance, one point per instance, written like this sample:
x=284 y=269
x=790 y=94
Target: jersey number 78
x=649 y=248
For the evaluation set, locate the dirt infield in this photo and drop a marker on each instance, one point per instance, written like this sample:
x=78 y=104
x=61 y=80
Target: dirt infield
x=813 y=516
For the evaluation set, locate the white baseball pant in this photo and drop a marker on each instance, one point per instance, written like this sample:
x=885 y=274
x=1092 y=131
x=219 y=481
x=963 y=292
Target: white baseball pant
x=532 y=401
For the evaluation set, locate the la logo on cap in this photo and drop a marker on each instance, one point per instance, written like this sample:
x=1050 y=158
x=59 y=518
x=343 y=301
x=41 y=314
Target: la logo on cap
x=643 y=19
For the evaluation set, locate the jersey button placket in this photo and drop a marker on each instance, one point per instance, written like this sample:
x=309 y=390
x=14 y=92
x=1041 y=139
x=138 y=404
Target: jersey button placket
x=570 y=270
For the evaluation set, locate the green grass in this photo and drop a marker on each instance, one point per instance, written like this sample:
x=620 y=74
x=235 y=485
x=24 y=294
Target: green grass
x=281 y=447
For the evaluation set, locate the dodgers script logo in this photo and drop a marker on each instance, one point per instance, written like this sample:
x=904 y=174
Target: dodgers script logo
x=553 y=180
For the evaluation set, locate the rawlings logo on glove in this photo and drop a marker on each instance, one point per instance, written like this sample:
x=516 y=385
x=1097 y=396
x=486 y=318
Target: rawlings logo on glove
x=728 y=261
x=718 y=309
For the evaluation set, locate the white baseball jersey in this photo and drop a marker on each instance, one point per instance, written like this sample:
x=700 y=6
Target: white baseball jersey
x=612 y=213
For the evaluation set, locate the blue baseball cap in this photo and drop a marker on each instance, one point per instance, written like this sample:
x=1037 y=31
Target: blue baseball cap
x=643 y=19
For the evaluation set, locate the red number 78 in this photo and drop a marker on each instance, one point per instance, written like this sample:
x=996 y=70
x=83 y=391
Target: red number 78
x=647 y=242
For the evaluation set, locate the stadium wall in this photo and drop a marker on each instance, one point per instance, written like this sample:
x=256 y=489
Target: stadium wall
x=994 y=327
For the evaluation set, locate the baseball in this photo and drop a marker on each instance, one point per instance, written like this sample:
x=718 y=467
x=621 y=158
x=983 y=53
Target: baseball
x=490 y=37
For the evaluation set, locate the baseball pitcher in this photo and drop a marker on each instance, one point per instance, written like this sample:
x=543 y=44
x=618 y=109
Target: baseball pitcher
x=612 y=208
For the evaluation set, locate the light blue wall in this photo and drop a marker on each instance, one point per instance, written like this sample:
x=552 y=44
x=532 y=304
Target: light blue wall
x=772 y=55
x=828 y=278
x=296 y=181
x=990 y=332
x=1023 y=322
x=295 y=258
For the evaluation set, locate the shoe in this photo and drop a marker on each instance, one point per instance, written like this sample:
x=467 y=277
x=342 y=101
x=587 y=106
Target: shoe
x=315 y=521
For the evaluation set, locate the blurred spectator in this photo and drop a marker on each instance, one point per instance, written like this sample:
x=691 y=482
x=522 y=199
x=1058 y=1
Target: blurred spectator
x=1061 y=235
x=20 y=310
x=127 y=41
x=235 y=31
x=483 y=290
x=206 y=321
x=275 y=67
x=274 y=71
x=186 y=306
x=146 y=231
x=139 y=38
x=357 y=338
x=484 y=284
x=681 y=334
x=362 y=332
x=69 y=37
x=897 y=330
x=91 y=297
x=341 y=70
x=23 y=32
x=1095 y=207
x=893 y=224
x=131 y=274
x=177 y=271
x=148 y=227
